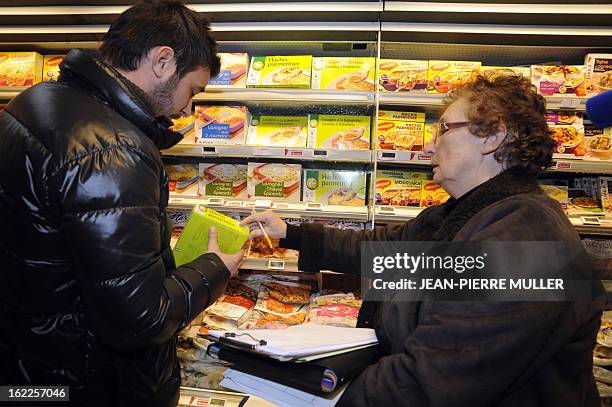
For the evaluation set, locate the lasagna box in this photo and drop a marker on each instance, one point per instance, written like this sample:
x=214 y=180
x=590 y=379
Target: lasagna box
x=598 y=73
x=233 y=71
x=432 y=194
x=277 y=131
x=557 y=190
x=20 y=68
x=605 y=192
x=507 y=70
x=567 y=129
x=280 y=72
x=400 y=130
x=277 y=182
x=183 y=179
x=563 y=80
x=399 y=188
x=445 y=76
x=222 y=125
x=51 y=67
x=184 y=126
x=331 y=187
x=226 y=180
x=344 y=73
x=598 y=142
x=339 y=131
x=396 y=75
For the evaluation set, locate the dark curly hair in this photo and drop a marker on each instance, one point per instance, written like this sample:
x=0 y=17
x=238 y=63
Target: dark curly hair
x=510 y=101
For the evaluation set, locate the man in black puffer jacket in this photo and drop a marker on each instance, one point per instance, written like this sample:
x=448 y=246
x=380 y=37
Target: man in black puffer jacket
x=90 y=296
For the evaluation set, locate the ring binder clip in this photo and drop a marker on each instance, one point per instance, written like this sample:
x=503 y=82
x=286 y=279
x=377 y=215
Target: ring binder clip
x=232 y=342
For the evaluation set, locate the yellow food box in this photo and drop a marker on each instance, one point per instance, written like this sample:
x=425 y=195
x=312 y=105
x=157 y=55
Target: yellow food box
x=433 y=194
x=524 y=71
x=397 y=75
x=557 y=192
x=339 y=131
x=20 y=68
x=446 y=76
x=332 y=187
x=598 y=73
x=232 y=73
x=51 y=68
x=344 y=73
x=277 y=131
x=428 y=132
x=399 y=188
x=280 y=72
x=400 y=130
x=605 y=191
x=184 y=126
x=563 y=80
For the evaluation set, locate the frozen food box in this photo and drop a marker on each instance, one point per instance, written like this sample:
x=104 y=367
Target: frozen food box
x=344 y=73
x=339 y=131
x=557 y=190
x=331 y=187
x=185 y=127
x=432 y=194
x=221 y=125
x=428 y=132
x=20 y=68
x=225 y=180
x=277 y=182
x=398 y=75
x=598 y=73
x=446 y=76
x=280 y=72
x=278 y=131
x=400 y=130
x=605 y=191
x=561 y=80
x=399 y=188
x=183 y=179
x=581 y=203
x=524 y=71
x=598 y=143
x=567 y=129
x=51 y=67
x=233 y=71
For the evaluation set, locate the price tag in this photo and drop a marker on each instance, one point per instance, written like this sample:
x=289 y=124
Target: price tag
x=235 y=203
x=175 y=200
x=319 y=153
x=263 y=203
x=590 y=221
x=563 y=165
x=385 y=155
x=387 y=210
x=276 y=265
x=215 y=202
x=569 y=103
x=268 y=152
x=207 y=150
x=424 y=157
x=294 y=153
x=314 y=206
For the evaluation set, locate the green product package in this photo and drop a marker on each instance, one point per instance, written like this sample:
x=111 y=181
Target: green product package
x=331 y=187
x=341 y=132
x=280 y=72
x=193 y=241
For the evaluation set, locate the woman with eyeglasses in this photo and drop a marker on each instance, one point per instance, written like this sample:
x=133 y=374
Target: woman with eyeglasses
x=492 y=141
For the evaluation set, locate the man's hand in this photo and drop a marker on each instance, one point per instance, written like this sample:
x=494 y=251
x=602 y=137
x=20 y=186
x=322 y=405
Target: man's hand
x=231 y=261
x=275 y=227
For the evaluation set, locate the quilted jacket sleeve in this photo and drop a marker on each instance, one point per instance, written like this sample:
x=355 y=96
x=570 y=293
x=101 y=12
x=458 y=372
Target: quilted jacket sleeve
x=111 y=217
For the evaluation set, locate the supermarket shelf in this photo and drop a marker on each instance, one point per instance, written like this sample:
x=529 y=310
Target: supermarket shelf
x=310 y=154
x=285 y=95
x=391 y=214
x=403 y=157
x=250 y=263
x=592 y=225
x=581 y=166
x=7 y=93
x=283 y=209
x=437 y=100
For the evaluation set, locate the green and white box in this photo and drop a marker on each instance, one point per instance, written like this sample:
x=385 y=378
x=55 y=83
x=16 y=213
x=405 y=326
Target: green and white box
x=331 y=187
x=280 y=72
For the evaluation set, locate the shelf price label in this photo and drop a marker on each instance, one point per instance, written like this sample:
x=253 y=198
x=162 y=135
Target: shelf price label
x=268 y=152
x=208 y=150
x=590 y=221
x=314 y=206
x=215 y=202
x=569 y=103
x=263 y=203
x=276 y=265
x=386 y=210
x=387 y=155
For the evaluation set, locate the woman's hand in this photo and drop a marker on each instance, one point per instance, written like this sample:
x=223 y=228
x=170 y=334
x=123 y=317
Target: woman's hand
x=275 y=227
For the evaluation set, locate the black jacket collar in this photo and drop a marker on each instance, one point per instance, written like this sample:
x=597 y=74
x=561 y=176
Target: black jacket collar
x=87 y=70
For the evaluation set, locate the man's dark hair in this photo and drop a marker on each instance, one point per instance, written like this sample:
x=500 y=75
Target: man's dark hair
x=161 y=23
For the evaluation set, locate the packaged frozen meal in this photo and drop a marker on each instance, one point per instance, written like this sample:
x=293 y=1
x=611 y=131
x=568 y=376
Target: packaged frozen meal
x=20 y=68
x=397 y=75
x=428 y=132
x=233 y=71
x=605 y=191
x=557 y=191
x=598 y=142
x=223 y=125
x=280 y=72
x=277 y=131
x=399 y=188
x=562 y=80
x=400 y=130
x=581 y=203
x=260 y=248
x=344 y=73
x=332 y=187
x=432 y=194
x=523 y=71
x=598 y=73
x=339 y=131
x=51 y=67
x=445 y=76
x=227 y=180
x=183 y=179
x=274 y=181
x=567 y=129
x=184 y=126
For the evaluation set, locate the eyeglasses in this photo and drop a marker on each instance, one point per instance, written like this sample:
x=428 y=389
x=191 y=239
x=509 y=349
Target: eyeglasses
x=442 y=127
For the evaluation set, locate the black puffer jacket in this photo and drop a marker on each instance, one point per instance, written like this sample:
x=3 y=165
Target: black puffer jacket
x=89 y=293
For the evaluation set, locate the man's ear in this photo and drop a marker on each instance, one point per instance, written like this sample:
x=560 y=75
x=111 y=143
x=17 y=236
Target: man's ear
x=163 y=62
x=493 y=142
